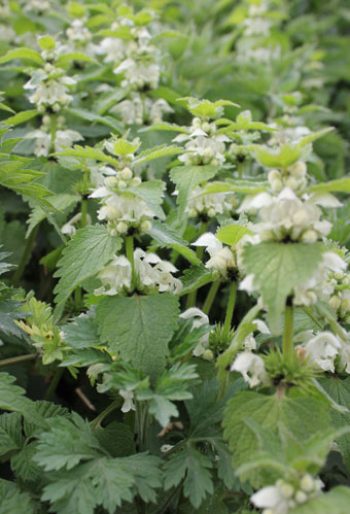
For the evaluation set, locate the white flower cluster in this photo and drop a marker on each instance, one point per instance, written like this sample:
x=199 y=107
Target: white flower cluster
x=50 y=88
x=138 y=61
x=222 y=258
x=120 y=208
x=202 y=144
x=139 y=109
x=57 y=141
x=288 y=217
x=254 y=44
x=284 y=496
x=340 y=299
x=326 y=351
x=210 y=204
x=38 y=6
x=151 y=273
x=78 y=39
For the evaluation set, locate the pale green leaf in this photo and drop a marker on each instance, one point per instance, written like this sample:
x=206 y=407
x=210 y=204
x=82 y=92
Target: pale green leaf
x=278 y=268
x=232 y=234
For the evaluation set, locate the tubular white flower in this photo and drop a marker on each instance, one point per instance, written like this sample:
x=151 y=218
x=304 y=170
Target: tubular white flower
x=210 y=204
x=128 y=397
x=153 y=272
x=221 y=257
x=251 y=367
x=322 y=350
x=115 y=277
x=199 y=319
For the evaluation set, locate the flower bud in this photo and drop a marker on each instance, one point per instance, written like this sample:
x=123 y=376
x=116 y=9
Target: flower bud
x=300 y=497
x=307 y=483
x=126 y=173
x=145 y=226
x=122 y=227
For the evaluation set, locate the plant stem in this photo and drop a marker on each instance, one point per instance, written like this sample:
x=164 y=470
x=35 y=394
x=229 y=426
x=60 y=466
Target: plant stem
x=211 y=296
x=54 y=383
x=129 y=250
x=230 y=307
x=287 y=342
x=16 y=360
x=98 y=420
x=25 y=257
x=84 y=212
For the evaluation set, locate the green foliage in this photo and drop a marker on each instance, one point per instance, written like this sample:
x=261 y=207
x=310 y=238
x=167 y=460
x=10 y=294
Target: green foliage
x=139 y=328
x=85 y=255
x=277 y=269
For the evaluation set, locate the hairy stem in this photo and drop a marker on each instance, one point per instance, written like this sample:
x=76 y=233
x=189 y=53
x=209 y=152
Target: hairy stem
x=27 y=251
x=129 y=250
x=54 y=383
x=211 y=296
x=16 y=360
x=95 y=423
x=287 y=342
x=230 y=307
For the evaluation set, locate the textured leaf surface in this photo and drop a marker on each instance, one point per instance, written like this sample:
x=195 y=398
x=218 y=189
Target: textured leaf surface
x=337 y=501
x=277 y=269
x=139 y=328
x=85 y=255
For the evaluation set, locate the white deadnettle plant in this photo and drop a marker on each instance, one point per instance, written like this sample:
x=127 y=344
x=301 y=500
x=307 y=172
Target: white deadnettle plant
x=151 y=260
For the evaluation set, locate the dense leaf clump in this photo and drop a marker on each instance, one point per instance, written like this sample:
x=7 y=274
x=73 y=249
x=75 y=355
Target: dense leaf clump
x=174 y=257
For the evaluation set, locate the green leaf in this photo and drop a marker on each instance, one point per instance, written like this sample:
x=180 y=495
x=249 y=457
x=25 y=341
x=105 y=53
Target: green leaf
x=66 y=59
x=11 y=437
x=232 y=234
x=283 y=157
x=59 y=202
x=339 y=391
x=81 y=332
x=139 y=328
x=334 y=502
x=187 y=178
x=193 y=467
x=107 y=121
x=165 y=235
x=13 y=500
x=299 y=415
x=340 y=185
x=157 y=153
x=235 y=186
x=68 y=442
x=24 y=54
x=20 y=117
x=23 y=465
x=12 y=399
x=85 y=255
x=23 y=181
x=194 y=278
x=278 y=268
x=151 y=192
x=87 y=152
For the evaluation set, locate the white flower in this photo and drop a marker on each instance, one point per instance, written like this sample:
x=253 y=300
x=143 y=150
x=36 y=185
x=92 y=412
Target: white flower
x=42 y=142
x=210 y=204
x=200 y=319
x=204 y=150
x=271 y=498
x=139 y=73
x=155 y=272
x=322 y=350
x=69 y=228
x=283 y=496
x=221 y=257
x=287 y=216
x=321 y=284
x=128 y=397
x=251 y=367
x=50 y=92
x=65 y=138
x=115 y=276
